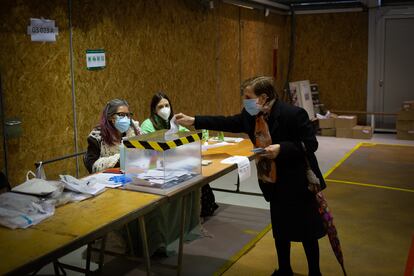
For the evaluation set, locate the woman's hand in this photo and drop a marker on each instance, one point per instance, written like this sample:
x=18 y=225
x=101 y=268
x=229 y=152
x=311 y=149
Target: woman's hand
x=271 y=152
x=184 y=120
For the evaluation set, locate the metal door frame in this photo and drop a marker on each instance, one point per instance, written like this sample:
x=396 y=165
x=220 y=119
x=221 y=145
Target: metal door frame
x=376 y=51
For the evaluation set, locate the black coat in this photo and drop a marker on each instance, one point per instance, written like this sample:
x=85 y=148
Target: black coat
x=293 y=207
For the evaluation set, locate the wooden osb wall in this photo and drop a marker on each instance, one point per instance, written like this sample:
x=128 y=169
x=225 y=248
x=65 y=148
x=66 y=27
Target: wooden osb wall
x=259 y=39
x=332 y=51
x=36 y=84
x=196 y=55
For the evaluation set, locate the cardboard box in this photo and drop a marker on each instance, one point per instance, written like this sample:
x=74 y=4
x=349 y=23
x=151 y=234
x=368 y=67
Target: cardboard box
x=346 y=121
x=405 y=125
x=344 y=132
x=362 y=132
x=327 y=123
x=328 y=132
x=406 y=115
x=405 y=134
x=408 y=105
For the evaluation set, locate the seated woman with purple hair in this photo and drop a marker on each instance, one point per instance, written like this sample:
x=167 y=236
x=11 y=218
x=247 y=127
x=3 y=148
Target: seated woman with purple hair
x=104 y=139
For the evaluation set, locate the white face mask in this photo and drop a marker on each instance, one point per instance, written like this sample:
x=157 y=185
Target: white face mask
x=164 y=113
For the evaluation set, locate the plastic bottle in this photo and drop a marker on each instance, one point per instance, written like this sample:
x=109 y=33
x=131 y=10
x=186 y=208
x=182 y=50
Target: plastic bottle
x=122 y=155
x=220 y=136
x=204 y=134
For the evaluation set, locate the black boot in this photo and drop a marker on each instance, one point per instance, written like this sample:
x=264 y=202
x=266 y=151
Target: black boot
x=279 y=272
x=312 y=255
x=283 y=256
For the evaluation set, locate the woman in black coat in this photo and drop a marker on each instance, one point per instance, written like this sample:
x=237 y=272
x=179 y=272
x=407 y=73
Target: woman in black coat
x=293 y=208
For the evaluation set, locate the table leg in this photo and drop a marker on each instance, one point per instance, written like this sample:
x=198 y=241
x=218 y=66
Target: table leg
x=181 y=244
x=141 y=221
x=88 y=258
x=373 y=123
x=102 y=253
x=130 y=245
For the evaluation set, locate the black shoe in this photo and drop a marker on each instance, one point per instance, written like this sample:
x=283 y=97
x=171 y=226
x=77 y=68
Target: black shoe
x=279 y=272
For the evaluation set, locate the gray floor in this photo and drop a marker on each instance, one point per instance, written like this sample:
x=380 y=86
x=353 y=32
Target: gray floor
x=331 y=150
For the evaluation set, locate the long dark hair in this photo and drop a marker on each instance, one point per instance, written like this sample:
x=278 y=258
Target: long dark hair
x=157 y=121
x=110 y=135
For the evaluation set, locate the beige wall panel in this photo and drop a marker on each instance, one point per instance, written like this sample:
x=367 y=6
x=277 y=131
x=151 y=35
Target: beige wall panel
x=228 y=93
x=277 y=29
x=174 y=53
x=259 y=35
x=36 y=86
x=332 y=50
x=190 y=52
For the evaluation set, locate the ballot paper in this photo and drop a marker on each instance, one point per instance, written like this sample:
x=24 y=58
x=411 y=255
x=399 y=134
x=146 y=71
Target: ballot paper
x=89 y=187
x=162 y=179
x=217 y=145
x=243 y=165
x=169 y=134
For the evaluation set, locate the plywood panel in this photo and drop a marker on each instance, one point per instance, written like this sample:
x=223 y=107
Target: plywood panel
x=332 y=50
x=228 y=58
x=175 y=53
x=179 y=46
x=259 y=36
x=36 y=85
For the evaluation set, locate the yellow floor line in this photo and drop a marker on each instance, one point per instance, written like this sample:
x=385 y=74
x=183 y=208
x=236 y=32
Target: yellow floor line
x=248 y=246
x=365 y=144
x=242 y=251
x=370 y=185
x=384 y=144
x=343 y=159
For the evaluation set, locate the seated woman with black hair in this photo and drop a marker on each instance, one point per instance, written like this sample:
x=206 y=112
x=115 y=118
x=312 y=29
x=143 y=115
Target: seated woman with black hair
x=161 y=114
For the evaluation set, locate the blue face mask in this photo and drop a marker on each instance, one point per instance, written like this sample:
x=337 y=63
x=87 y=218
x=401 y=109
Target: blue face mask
x=122 y=123
x=251 y=106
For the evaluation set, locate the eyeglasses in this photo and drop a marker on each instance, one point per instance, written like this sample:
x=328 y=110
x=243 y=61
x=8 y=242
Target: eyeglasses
x=123 y=114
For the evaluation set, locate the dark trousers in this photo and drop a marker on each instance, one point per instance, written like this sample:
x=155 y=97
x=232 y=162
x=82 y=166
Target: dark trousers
x=312 y=255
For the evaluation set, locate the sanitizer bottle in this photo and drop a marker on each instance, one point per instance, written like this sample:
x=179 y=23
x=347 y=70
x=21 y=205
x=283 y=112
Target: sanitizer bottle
x=122 y=155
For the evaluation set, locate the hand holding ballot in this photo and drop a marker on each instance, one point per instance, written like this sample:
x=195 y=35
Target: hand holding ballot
x=184 y=120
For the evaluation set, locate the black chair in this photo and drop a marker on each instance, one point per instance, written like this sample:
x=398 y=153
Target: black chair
x=4 y=183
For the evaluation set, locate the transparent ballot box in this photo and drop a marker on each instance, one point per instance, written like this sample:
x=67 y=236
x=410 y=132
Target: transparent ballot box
x=160 y=161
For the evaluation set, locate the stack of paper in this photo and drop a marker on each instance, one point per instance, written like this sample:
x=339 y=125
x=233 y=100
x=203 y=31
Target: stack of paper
x=163 y=179
x=82 y=186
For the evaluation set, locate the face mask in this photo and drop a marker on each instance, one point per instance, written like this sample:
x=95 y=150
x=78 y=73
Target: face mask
x=251 y=106
x=122 y=123
x=164 y=113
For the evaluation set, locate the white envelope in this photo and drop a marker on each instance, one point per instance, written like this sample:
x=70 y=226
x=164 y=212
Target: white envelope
x=35 y=186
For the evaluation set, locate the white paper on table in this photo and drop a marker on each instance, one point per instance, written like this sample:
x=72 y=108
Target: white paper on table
x=228 y=139
x=82 y=186
x=346 y=117
x=103 y=178
x=243 y=165
x=212 y=146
